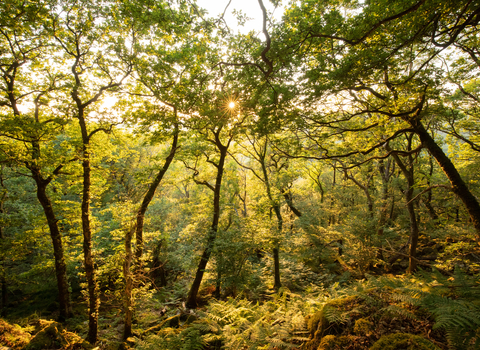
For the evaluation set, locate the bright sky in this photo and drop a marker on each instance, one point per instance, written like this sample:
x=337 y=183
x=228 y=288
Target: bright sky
x=249 y=7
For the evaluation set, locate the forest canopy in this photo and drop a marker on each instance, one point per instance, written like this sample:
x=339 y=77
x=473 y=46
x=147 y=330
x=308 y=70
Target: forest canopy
x=168 y=181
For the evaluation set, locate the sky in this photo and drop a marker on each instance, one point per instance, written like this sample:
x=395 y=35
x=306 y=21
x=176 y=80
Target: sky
x=250 y=7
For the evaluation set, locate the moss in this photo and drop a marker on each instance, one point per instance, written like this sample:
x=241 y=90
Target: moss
x=331 y=342
x=13 y=336
x=51 y=335
x=403 y=341
x=313 y=321
x=114 y=345
x=318 y=322
x=344 y=303
x=363 y=327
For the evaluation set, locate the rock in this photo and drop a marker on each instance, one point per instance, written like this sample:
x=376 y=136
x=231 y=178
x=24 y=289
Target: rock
x=51 y=335
x=331 y=342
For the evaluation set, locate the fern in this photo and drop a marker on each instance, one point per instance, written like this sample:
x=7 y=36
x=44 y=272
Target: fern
x=192 y=339
x=244 y=325
x=398 y=310
x=334 y=315
x=451 y=300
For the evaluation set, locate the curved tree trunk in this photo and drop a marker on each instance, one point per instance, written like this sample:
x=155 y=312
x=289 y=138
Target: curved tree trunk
x=138 y=229
x=60 y=266
x=365 y=190
x=149 y=196
x=212 y=233
x=458 y=185
x=412 y=262
x=41 y=184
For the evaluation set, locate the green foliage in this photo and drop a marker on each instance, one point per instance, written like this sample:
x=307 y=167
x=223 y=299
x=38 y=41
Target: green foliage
x=403 y=341
x=169 y=338
x=452 y=301
x=318 y=105
x=239 y=323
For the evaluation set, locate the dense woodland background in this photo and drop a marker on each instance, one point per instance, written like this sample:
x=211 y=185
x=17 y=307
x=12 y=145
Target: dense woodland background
x=168 y=182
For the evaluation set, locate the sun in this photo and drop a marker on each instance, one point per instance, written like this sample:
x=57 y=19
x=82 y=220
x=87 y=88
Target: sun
x=231 y=105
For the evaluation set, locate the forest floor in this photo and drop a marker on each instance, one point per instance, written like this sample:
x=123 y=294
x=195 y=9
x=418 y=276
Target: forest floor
x=432 y=309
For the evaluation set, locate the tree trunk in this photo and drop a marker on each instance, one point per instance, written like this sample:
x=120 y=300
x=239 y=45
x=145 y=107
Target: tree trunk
x=412 y=265
x=288 y=198
x=139 y=238
x=428 y=201
x=60 y=266
x=386 y=172
x=276 y=208
x=276 y=249
x=408 y=172
x=158 y=269
x=3 y=280
x=41 y=184
x=212 y=233
x=365 y=190
x=458 y=185
x=127 y=332
x=93 y=299
x=149 y=196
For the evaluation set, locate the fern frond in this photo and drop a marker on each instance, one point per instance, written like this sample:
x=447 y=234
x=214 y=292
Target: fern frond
x=398 y=310
x=335 y=316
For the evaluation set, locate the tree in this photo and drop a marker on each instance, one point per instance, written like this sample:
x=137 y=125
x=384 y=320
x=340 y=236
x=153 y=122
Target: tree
x=389 y=75
x=166 y=75
x=25 y=46
x=218 y=125
x=96 y=67
x=259 y=150
x=407 y=169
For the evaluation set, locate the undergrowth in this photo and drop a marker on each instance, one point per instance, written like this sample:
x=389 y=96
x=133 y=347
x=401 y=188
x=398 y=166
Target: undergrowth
x=237 y=323
x=449 y=305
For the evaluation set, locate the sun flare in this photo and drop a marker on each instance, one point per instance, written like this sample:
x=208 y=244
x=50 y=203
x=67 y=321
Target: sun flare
x=231 y=105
